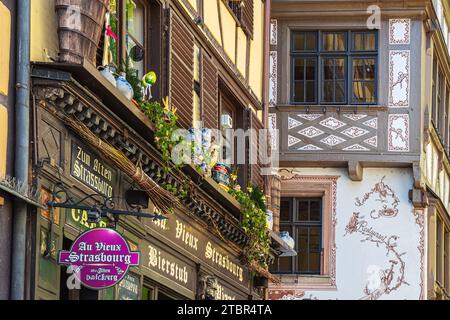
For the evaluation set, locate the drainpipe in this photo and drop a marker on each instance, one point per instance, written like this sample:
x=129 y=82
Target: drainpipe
x=22 y=109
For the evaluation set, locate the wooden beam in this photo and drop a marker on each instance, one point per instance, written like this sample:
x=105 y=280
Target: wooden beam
x=355 y=170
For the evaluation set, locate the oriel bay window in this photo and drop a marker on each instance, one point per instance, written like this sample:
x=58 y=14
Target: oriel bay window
x=334 y=67
x=302 y=218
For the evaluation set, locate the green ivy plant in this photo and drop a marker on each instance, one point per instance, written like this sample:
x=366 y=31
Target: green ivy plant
x=254 y=224
x=165 y=122
x=253 y=202
x=254 y=220
x=257 y=195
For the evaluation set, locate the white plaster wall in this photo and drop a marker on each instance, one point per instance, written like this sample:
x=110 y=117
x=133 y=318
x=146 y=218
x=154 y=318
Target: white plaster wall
x=360 y=262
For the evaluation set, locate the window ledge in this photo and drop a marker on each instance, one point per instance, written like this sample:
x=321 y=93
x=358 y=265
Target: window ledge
x=110 y=96
x=332 y=107
x=281 y=246
x=307 y=282
x=215 y=191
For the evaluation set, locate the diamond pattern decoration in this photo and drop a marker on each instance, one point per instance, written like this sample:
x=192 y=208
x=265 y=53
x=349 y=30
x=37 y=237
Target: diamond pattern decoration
x=347 y=132
x=293 y=140
x=354 y=132
x=310 y=117
x=311 y=132
x=372 y=141
x=292 y=123
x=332 y=140
x=356 y=147
x=332 y=123
x=310 y=147
x=355 y=117
x=372 y=123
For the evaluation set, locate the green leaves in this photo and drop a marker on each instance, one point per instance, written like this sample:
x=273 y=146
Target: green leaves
x=165 y=126
x=254 y=224
x=253 y=203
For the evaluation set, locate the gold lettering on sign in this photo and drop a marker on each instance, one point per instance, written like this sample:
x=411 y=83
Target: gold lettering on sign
x=83 y=156
x=185 y=236
x=223 y=261
x=167 y=267
x=91 y=171
x=81 y=217
x=221 y=295
x=161 y=223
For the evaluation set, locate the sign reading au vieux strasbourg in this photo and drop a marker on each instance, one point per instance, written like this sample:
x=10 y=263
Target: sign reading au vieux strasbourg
x=91 y=171
x=100 y=257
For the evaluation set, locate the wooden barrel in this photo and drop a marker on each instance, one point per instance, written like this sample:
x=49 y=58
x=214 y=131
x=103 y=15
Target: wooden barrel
x=80 y=27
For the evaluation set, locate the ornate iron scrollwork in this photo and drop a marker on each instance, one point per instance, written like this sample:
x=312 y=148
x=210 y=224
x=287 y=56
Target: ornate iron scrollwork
x=101 y=204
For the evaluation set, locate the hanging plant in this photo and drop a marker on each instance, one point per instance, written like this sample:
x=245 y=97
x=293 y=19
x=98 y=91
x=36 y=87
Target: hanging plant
x=165 y=121
x=253 y=202
x=254 y=224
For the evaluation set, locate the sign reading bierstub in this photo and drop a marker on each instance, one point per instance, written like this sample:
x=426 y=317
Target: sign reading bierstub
x=91 y=171
x=100 y=257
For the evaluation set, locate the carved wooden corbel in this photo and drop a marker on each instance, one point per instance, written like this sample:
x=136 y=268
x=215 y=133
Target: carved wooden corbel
x=355 y=170
x=419 y=198
x=417 y=175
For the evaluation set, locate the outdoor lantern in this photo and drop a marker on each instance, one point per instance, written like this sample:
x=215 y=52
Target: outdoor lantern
x=137 y=199
x=94 y=216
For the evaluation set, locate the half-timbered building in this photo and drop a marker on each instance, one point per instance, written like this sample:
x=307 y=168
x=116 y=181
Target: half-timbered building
x=359 y=94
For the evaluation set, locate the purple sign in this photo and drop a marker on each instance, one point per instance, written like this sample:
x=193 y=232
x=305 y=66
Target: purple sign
x=100 y=258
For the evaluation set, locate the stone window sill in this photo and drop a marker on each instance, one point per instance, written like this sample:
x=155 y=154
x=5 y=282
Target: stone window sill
x=307 y=282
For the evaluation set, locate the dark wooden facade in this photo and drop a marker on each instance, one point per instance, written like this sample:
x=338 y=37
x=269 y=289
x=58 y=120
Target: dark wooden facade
x=210 y=213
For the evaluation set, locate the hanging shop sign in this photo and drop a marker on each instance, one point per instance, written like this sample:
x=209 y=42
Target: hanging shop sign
x=100 y=258
x=92 y=171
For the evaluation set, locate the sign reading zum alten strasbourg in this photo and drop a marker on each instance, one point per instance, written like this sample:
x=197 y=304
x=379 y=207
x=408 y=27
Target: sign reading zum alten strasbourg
x=100 y=258
x=91 y=171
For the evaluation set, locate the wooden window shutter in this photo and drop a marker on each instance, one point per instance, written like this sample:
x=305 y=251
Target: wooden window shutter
x=182 y=71
x=247 y=18
x=210 y=93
